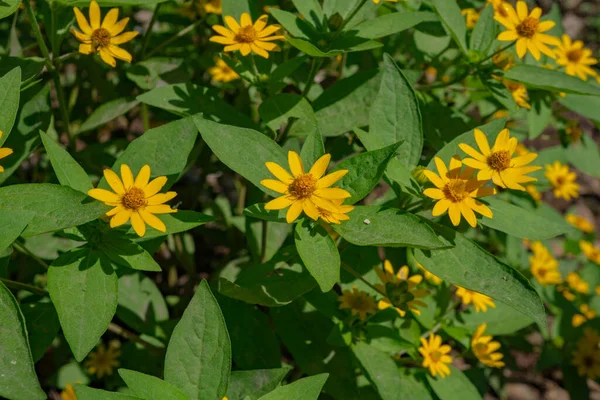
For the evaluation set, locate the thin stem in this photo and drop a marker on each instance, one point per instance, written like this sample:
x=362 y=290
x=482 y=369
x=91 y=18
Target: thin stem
x=38 y=33
x=128 y=335
x=352 y=15
x=26 y=251
x=445 y=84
x=508 y=46
x=263 y=244
x=173 y=38
x=23 y=286
x=65 y=57
x=314 y=68
x=357 y=275
x=149 y=30
x=145 y=117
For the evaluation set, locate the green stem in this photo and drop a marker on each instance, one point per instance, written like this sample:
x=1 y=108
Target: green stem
x=452 y=82
x=352 y=15
x=125 y=334
x=358 y=276
x=314 y=68
x=26 y=251
x=173 y=38
x=145 y=117
x=23 y=286
x=508 y=46
x=263 y=244
x=65 y=57
x=149 y=31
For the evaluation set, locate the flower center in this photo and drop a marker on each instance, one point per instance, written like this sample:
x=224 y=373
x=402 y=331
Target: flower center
x=303 y=186
x=436 y=356
x=574 y=55
x=561 y=180
x=100 y=38
x=455 y=190
x=399 y=294
x=528 y=28
x=134 y=199
x=499 y=160
x=246 y=34
x=481 y=348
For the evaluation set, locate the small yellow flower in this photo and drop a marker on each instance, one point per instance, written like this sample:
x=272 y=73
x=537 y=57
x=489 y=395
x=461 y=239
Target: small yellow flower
x=378 y=1
x=4 y=152
x=210 y=6
x=498 y=163
x=577 y=284
x=580 y=223
x=533 y=192
x=480 y=301
x=68 y=393
x=305 y=191
x=358 y=302
x=591 y=252
x=136 y=199
x=504 y=60
x=573 y=130
x=586 y=356
x=566 y=293
x=597 y=290
x=456 y=192
x=401 y=289
x=429 y=276
x=576 y=59
x=562 y=180
x=543 y=265
x=499 y=7
x=103 y=38
x=519 y=93
x=471 y=16
x=485 y=349
x=222 y=72
x=435 y=355
x=246 y=36
x=335 y=217
x=527 y=29
x=103 y=360
x=522 y=150
x=586 y=315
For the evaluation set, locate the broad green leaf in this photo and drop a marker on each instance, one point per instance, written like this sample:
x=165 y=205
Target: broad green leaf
x=500 y=92
x=83 y=287
x=111 y=3
x=387 y=227
x=364 y=171
x=198 y=359
x=395 y=115
x=159 y=71
x=392 y=23
x=243 y=150
x=453 y=20
x=150 y=387
x=585 y=156
x=318 y=253
x=344 y=44
x=107 y=112
x=181 y=221
x=484 y=33
x=304 y=389
x=311 y=11
x=30 y=66
x=254 y=384
x=236 y=8
x=125 y=253
x=540 y=115
x=468 y=265
x=67 y=170
x=455 y=386
x=548 y=79
x=88 y=393
x=18 y=380
x=8 y=7
x=42 y=324
x=501 y=320
x=10 y=93
x=522 y=223
x=297 y=27
x=258 y=211
x=587 y=106
x=12 y=225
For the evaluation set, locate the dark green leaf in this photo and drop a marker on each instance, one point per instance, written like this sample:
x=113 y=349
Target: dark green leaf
x=484 y=33
x=318 y=253
x=30 y=67
x=453 y=20
x=181 y=221
x=258 y=211
x=587 y=106
x=67 y=170
x=312 y=12
x=294 y=25
x=158 y=72
x=10 y=93
x=540 y=115
x=107 y=112
x=42 y=325
x=127 y=254
x=150 y=387
x=235 y=8
x=548 y=79
x=455 y=386
x=392 y=23
x=7 y=7
x=254 y=383
x=12 y=225
x=304 y=389
x=88 y=393
x=585 y=156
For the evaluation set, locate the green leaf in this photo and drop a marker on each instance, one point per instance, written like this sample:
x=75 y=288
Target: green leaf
x=502 y=320
x=484 y=33
x=364 y=171
x=235 y=8
x=548 y=79
x=18 y=380
x=10 y=93
x=392 y=23
x=318 y=253
x=254 y=383
x=150 y=387
x=312 y=12
x=243 y=150
x=67 y=170
x=395 y=114
x=30 y=66
x=258 y=211
x=387 y=227
x=125 y=253
x=159 y=71
x=8 y=7
x=453 y=20
x=88 y=393
x=107 y=112
x=181 y=221
x=500 y=92
x=468 y=265
x=587 y=106
x=12 y=225
x=294 y=25
x=42 y=325
x=303 y=389
x=540 y=115
x=198 y=359
x=585 y=156
x=454 y=386
x=83 y=287
x=111 y=3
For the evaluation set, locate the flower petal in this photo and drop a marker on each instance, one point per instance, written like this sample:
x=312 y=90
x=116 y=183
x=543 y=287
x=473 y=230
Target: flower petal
x=155 y=186
x=279 y=172
x=124 y=38
x=138 y=224
x=279 y=203
x=482 y=142
x=120 y=218
x=95 y=15
x=275 y=185
x=114 y=181
x=294 y=212
x=295 y=163
x=82 y=22
x=104 y=196
x=126 y=176
x=110 y=19
x=119 y=27
x=320 y=166
x=143 y=177
x=331 y=178
x=152 y=220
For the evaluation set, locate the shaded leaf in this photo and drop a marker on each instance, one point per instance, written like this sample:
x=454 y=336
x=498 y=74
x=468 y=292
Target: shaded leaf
x=10 y=93
x=107 y=112
x=42 y=325
x=254 y=383
x=548 y=79
x=303 y=389
x=318 y=253
x=453 y=20
x=392 y=23
x=150 y=387
x=455 y=386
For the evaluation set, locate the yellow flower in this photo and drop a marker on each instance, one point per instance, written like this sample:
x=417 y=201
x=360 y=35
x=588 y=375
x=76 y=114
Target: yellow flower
x=136 y=199
x=103 y=38
x=378 y=1
x=503 y=60
x=435 y=355
x=401 y=289
x=586 y=357
x=576 y=283
x=68 y=393
x=429 y=276
x=103 y=360
x=527 y=29
x=543 y=266
x=580 y=223
x=575 y=58
x=566 y=293
x=222 y=72
x=471 y=16
x=358 y=302
x=484 y=348
x=562 y=180
x=533 y=192
x=335 y=217
x=480 y=301
x=457 y=191
x=522 y=150
x=519 y=93
x=4 y=152
x=586 y=315
x=247 y=37
x=573 y=130
x=305 y=191
x=597 y=290
x=210 y=6
x=590 y=251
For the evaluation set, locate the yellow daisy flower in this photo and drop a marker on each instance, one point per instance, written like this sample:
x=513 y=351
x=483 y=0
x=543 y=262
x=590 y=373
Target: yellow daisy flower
x=565 y=292
x=401 y=289
x=503 y=60
x=485 y=349
x=68 y=393
x=456 y=191
x=103 y=38
x=305 y=191
x=591 y=252
x=429 y=276
x=103 y=360
x=586 y=314
x=562 y=180
x=210 y=7
x=435 y=355
x=522 y=150
x=577 y=284
x=543 y=265
x=498 y=163
x=391 y=1
x=533 y=192
x=580 y=223
x=471 y=17
x=136 y=199
x=480 y=301
x=573 y=130
x=519 y=93
x=499 y=7
x=247 y=37
x=527 y=29
x=576 y=59
x=222 y=72
x=4 y=152
x=586 y=356
x=358 y=302
x=335 y=217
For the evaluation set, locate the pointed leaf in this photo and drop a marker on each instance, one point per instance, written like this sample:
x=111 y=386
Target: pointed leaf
x=67 y=170
x=150 y=387
x=10 y=92
x=304 y=389
x=42 y=325
x=393 y=23
x=254 y=383
x=548 y=79
x=88 y=393
x=318 y=253
x=455 y=386
x=107 y=112
x=453 y=20
x=126 y=253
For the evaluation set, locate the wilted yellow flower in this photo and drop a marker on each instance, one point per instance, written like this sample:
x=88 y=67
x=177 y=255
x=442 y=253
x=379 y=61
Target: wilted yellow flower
x=305 y=191
x=4 y=152
x=210 y=6
x=358 y=302
x=401 y=289
x=222 y=72
x=503 y=60
x=485 y=348
x=435 y=355
x=429 y=276
x=573 y=130
x=499 y=7
x=103 y=360
x=576 y=59
x=335 y=217
x=577 y=284
x=580 y=223
x=565 y=292
x=136 y=199
x=103 y=38
x=246 y=36
x=586 y=314
x=586 y=356
x=456 y=192
x=480 y=301
x=378 y=1
x=591 y=252
x=543 y=265
x=471 y=17
x=527 y=29
x=562 y=180
x=68 y=393
x=519 y=93
x=533 y=192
